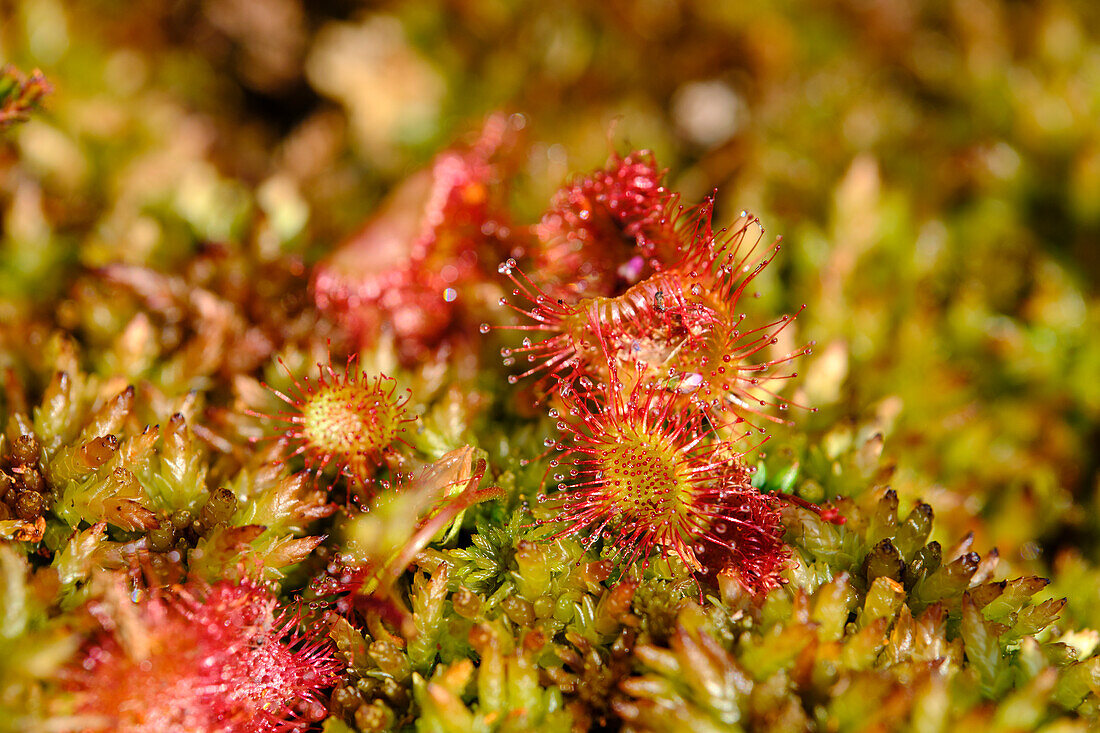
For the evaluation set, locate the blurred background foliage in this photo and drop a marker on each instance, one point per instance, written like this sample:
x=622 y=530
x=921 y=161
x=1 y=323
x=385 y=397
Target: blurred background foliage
x=933 y=166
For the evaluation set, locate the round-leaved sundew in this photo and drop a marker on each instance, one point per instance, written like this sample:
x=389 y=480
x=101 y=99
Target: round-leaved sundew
x=733 y=369
x=223 y=657
x=746 y=543
x=351 y=421
x=643 y=472
x=647 y=325
x=603 y=229
x=625 y=271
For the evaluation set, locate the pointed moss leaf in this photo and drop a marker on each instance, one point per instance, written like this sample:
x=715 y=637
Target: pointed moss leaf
x=221 y=549
x=947 y=583
x=273 y=553
x=924 y=562
x=56 y=416
x=351 y=645
x=863 y=648
x=913 y=532
x=427 y=606
x=883 y=560
x=1076 y=681
x=1013 y=596
x=287 y=505
x=177 y=480
x=884 y=518
x=820 y=540
x=883 y=600
x=1034 y=619
x=831 y=604
x=108 y=419
x=491 y=682
x=775 y=650
x=72 y=463
x=707 y=668
x=14 y=601
x=662 y=660
x=903 y=637
x=983 y=650
x=75 y=561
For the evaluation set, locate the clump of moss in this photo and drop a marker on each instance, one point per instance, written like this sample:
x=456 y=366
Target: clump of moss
x=609 y=548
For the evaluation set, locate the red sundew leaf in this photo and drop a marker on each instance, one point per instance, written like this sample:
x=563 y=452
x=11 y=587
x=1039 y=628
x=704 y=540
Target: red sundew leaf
x=733 y=367
x=747 y=543
x=409 y=269
x=644 y=470
x=602 y=230
x=351 y=421
x=645 y=326
x=668 y=327
x=222 y=657
x=626 y=272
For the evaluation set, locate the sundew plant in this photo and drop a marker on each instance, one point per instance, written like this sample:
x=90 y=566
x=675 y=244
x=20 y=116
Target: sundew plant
x=348 y=384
